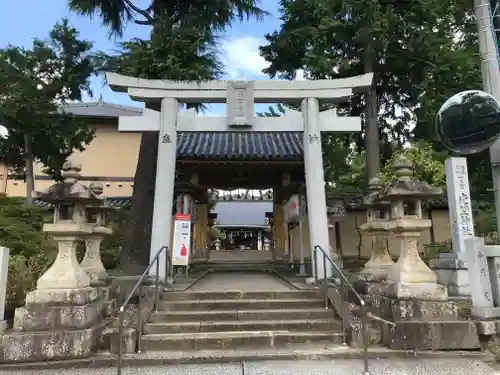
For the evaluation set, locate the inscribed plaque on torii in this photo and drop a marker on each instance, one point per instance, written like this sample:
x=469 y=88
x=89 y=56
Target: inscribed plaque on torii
x=240 y=103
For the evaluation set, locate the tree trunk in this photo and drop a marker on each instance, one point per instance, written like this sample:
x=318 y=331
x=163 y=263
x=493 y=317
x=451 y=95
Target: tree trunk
x=135 y=253
x=371 y=120
x=30 y=176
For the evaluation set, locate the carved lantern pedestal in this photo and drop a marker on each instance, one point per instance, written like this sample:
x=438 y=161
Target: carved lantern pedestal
x=63 y=301
x=376 y=228
x=97 y=217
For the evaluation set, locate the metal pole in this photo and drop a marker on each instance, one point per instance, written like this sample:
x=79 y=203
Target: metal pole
x=343 y=313
x=139 y=319
x=364 y=327
x=157 y=283
x=120 y=341
x=325 y=281
x=491 y=81
x=338 y=242
x=315 y=252
x=302 y=269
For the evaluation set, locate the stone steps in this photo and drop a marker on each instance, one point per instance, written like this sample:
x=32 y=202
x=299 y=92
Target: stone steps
x=247 y=339
x=233 y=295
x=241 y=304
x=228 y=315
x=249 y=325
x=214 y=320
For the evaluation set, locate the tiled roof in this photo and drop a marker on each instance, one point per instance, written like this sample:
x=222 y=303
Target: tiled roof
x=240 y=146
x=242 y=213
x=229 y=212
x=210 y=146
x=101 y=109
x=118 y=203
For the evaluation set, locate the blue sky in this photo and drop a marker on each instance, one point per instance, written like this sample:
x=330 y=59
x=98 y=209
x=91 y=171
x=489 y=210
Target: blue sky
x=22 y=20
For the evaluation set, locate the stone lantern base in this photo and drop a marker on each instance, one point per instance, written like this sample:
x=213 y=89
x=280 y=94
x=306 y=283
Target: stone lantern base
x=416 y=291
x=368 y=282
x=54 y=324
x=376 y=269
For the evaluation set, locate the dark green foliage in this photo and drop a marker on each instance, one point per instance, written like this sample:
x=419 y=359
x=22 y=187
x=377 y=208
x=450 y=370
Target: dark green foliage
x=31 y=250
x=418 y=58
x=33 y=83
x=182 y=46
x=215 y=14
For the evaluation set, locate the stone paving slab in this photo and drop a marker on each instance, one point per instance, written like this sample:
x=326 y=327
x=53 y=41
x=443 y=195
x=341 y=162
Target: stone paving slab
x=240 y=281
x=416 y=366
x=379 y=367
x=207 y=369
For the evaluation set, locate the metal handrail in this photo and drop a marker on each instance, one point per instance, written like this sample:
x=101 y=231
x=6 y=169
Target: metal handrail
x=138 y=287
x=343 y=280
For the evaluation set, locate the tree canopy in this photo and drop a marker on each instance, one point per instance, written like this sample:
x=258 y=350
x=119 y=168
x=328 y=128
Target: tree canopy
x=34 y=83
x=216 y=15
x=182 y=46
x=423 y=52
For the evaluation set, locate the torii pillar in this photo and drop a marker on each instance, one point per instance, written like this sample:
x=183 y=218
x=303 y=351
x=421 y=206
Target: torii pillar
x=240 y=97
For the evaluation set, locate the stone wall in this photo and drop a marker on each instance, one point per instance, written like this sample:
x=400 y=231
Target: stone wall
x=350 y=236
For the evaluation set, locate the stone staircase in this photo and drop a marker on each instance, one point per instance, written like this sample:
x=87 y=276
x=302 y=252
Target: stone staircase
x=239 y=320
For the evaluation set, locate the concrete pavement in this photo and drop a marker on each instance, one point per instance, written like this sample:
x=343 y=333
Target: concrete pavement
x=240 y=281
x=413 y=366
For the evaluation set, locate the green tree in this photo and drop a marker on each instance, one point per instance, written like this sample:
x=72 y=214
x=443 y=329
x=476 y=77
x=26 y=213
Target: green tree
x=407 y=45
x=33 y=84
x=181 y=47
x=428 y=164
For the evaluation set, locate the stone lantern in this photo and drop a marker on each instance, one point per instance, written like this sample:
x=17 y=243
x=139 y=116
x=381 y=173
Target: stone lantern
x=62 y=316
x=267 y=244
x=70 y=200
x=376 y=227
x=410 y=277
x=97 y=216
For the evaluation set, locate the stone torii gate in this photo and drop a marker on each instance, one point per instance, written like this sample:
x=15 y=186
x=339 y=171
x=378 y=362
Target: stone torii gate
x=240 y=97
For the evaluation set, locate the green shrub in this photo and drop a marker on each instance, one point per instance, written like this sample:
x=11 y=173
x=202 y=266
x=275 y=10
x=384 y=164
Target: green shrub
x=485 y=222
x=112 y=245
x=31 y=250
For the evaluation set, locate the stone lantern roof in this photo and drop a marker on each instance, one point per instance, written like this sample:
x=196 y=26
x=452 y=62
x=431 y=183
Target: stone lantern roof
x=372 y=198
x=69 y=190
x=404 y=187
x=103 y=205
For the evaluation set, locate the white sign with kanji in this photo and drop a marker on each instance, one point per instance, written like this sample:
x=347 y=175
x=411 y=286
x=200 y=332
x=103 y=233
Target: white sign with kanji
x=182 y=240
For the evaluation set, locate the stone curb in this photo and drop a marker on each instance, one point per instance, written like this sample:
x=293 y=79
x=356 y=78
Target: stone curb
x=156 y=358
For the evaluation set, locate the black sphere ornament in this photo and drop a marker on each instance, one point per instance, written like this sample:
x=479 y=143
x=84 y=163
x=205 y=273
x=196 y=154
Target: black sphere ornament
x=468 y=122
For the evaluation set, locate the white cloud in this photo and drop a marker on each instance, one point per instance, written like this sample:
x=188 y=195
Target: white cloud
x=241 y=57
x=243 y=61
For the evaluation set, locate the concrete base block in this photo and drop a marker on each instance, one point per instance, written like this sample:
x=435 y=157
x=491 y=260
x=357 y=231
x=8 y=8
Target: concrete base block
x=58 y=297
x=452 y=272
x=485 y=312
x=419 y=291
x=446 y=335
x=397 y=310
x=47 y=318
x=420 y=324
x=50 y=345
